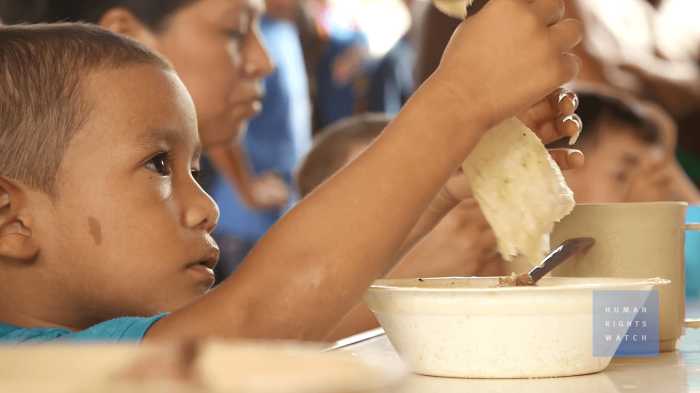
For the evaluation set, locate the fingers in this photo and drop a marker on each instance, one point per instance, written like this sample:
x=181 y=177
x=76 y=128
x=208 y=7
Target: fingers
x=566 y=34
x=539 y=113
x=571 y=65
x=570 y=126
x=561 y=102
x=560 y=127
x=564 y=100
x=553 y=117
x=567 y=158
x=548 y=11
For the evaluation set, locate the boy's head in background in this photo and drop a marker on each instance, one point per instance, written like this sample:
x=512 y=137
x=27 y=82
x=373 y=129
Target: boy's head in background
x=618 y=138
x=335 y=147
x=662 y=180
x=100 y=212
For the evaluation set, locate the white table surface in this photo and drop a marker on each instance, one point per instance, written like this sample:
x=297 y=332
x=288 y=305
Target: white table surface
x=671 y=372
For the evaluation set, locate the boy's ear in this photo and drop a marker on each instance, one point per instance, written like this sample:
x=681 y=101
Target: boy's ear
x=16 y=239
x=122 y=21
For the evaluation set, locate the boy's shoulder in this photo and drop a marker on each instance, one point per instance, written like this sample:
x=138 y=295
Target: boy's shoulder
x=119 y=330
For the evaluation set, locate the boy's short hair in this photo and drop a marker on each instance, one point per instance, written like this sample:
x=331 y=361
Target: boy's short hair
x=596 y=106
x=42 y=105
x=333 y=146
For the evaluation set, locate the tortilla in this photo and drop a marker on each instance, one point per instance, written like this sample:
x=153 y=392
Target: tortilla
x=454 y=8
x=519 y=187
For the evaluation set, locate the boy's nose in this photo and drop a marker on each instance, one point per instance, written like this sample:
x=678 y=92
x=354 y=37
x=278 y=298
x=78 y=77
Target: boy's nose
x=202 y=212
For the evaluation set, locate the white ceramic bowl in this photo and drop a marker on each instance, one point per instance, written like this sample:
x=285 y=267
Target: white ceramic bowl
x=469 y=328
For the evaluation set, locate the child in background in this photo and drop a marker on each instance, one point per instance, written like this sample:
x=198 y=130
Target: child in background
x=618 y=138
x=108 y=237
x=662 y=180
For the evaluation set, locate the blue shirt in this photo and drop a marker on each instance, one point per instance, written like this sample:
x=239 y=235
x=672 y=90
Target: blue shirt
x=342 y=72
x=392 y=83
x=277 y=138
x=119 y=330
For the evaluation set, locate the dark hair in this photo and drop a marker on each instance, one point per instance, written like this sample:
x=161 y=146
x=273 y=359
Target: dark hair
x=43 y=69
x=332 y=148
x=595 y=107
x=152 y=13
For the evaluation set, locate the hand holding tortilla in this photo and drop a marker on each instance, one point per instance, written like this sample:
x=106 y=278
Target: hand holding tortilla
x=517 y=183
x=551 y=118
x=511 y=160
x=520 y=188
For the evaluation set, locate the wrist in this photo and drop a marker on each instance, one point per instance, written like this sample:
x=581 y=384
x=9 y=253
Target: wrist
x=463 y=96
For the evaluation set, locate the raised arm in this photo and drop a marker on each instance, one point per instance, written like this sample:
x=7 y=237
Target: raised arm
x=314 y=265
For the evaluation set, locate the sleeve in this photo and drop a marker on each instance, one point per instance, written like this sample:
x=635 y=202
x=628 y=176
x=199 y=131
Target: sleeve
x=119 y=330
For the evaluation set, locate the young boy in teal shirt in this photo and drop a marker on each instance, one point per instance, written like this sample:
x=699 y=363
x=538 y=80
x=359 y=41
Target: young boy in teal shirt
x=101 y=217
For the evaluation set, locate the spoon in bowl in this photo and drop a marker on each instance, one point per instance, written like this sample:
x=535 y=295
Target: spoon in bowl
x=565 y=251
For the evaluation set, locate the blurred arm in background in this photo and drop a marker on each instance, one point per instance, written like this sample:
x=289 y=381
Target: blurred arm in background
x=262 y=192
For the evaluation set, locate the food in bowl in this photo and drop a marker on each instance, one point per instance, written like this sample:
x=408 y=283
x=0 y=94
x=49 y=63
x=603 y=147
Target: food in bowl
x=470 y=328
x=516 y=280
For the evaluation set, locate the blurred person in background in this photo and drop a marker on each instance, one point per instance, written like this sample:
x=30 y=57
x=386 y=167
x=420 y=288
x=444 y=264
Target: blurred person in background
x=393 y=80
x=618 y=138
x=633 y=45
x=664 y=180
x=275 y=141
x=340 y=76
x=357 y=59
x=626 y=46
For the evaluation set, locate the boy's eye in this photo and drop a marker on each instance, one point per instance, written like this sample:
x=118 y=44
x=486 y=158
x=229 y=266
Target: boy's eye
x=159 y=163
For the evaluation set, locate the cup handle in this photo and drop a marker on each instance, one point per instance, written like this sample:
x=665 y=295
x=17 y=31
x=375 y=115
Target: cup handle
x=692 y=323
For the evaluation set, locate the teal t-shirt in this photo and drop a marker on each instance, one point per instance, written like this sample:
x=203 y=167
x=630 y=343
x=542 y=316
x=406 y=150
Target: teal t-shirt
x=119 y=330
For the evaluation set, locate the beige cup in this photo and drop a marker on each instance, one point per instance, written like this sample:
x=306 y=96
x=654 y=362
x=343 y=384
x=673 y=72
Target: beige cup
x=634 y=240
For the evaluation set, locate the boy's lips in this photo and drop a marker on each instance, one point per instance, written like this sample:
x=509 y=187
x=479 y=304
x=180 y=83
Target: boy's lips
x=207 y=260
x=203 y=267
